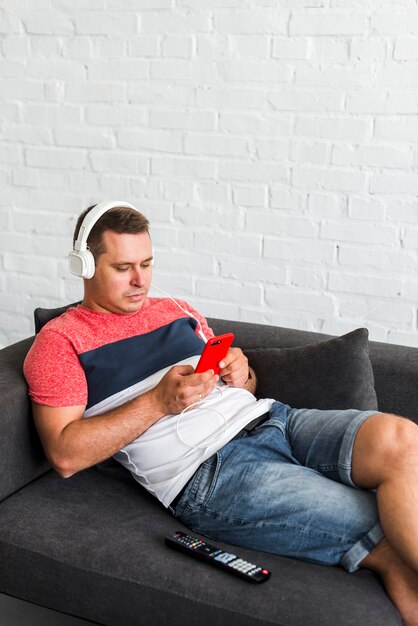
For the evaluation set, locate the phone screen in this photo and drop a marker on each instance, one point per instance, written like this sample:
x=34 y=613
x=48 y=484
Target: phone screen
x=214 y=351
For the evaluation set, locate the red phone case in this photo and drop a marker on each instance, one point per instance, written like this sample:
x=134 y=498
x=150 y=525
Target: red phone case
x=213 y=352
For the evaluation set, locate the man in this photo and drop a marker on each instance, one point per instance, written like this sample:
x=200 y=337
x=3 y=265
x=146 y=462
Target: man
x=115 y=376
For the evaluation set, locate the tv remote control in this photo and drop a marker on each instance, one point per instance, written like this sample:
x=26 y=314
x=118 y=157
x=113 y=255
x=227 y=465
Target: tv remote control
x=215 y=556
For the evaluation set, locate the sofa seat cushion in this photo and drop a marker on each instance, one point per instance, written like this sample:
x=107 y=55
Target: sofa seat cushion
x=332 y=374
x=92 y=546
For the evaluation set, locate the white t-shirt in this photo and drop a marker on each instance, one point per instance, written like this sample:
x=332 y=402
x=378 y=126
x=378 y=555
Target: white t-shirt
x=167 y=455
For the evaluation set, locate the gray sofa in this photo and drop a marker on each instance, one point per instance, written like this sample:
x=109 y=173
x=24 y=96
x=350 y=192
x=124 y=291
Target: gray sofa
x=92 y=545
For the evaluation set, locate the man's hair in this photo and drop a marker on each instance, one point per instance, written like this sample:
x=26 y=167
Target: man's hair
x=119 y=220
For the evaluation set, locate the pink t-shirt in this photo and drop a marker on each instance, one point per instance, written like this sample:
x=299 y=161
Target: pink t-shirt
x=83 y=356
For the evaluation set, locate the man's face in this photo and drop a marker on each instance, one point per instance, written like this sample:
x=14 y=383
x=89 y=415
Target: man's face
x=123 y=274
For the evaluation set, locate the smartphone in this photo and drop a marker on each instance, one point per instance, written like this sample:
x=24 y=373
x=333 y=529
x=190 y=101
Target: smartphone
x=214 y=351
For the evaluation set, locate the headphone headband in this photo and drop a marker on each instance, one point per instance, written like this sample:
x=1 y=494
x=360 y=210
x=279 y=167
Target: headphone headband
x=92 y=217
x=80 y=259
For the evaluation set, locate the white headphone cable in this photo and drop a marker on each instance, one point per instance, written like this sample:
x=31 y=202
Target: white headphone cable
x=200 y=331
x=207 y=443
x=200 y=402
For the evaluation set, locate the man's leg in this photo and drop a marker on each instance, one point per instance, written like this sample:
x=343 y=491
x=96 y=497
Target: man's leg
x=399 y=579
x=385 y=458
x=256 y=494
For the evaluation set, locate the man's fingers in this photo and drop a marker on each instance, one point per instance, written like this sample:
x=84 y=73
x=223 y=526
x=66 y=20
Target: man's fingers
x=193 y=378
x=234 y=368
x=181 y=387
x=200 y=385
x=183 y=370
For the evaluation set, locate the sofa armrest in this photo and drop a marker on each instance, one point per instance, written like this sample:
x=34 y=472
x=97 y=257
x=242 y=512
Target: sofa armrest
x=21 y=455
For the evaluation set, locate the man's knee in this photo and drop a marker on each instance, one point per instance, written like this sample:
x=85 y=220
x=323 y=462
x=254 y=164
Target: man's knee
x=399 y=439
x=384 y=443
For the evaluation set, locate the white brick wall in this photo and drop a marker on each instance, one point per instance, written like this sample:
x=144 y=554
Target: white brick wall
x=273 y=144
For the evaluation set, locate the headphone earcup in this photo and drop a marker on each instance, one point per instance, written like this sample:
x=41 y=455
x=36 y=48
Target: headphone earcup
x=80 y=259
x=81 y=263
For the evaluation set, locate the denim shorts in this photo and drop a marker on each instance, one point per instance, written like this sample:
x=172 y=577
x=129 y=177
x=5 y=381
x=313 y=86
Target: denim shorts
x=286 y=488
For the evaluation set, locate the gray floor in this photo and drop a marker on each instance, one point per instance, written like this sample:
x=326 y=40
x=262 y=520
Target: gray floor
x=14 y=612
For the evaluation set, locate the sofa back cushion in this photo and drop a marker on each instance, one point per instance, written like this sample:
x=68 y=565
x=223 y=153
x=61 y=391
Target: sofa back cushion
x=42 y=315
x=332 y=374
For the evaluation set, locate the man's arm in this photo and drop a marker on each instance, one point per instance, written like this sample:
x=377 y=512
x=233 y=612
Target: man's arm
x=73 y=444
x=236 y=372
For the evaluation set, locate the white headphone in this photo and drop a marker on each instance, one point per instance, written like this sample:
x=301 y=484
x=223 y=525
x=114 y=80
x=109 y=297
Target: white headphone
x=80 y=259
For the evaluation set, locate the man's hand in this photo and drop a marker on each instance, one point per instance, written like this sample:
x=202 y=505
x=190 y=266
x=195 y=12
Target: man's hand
x=235 y=370
x=181 y=387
